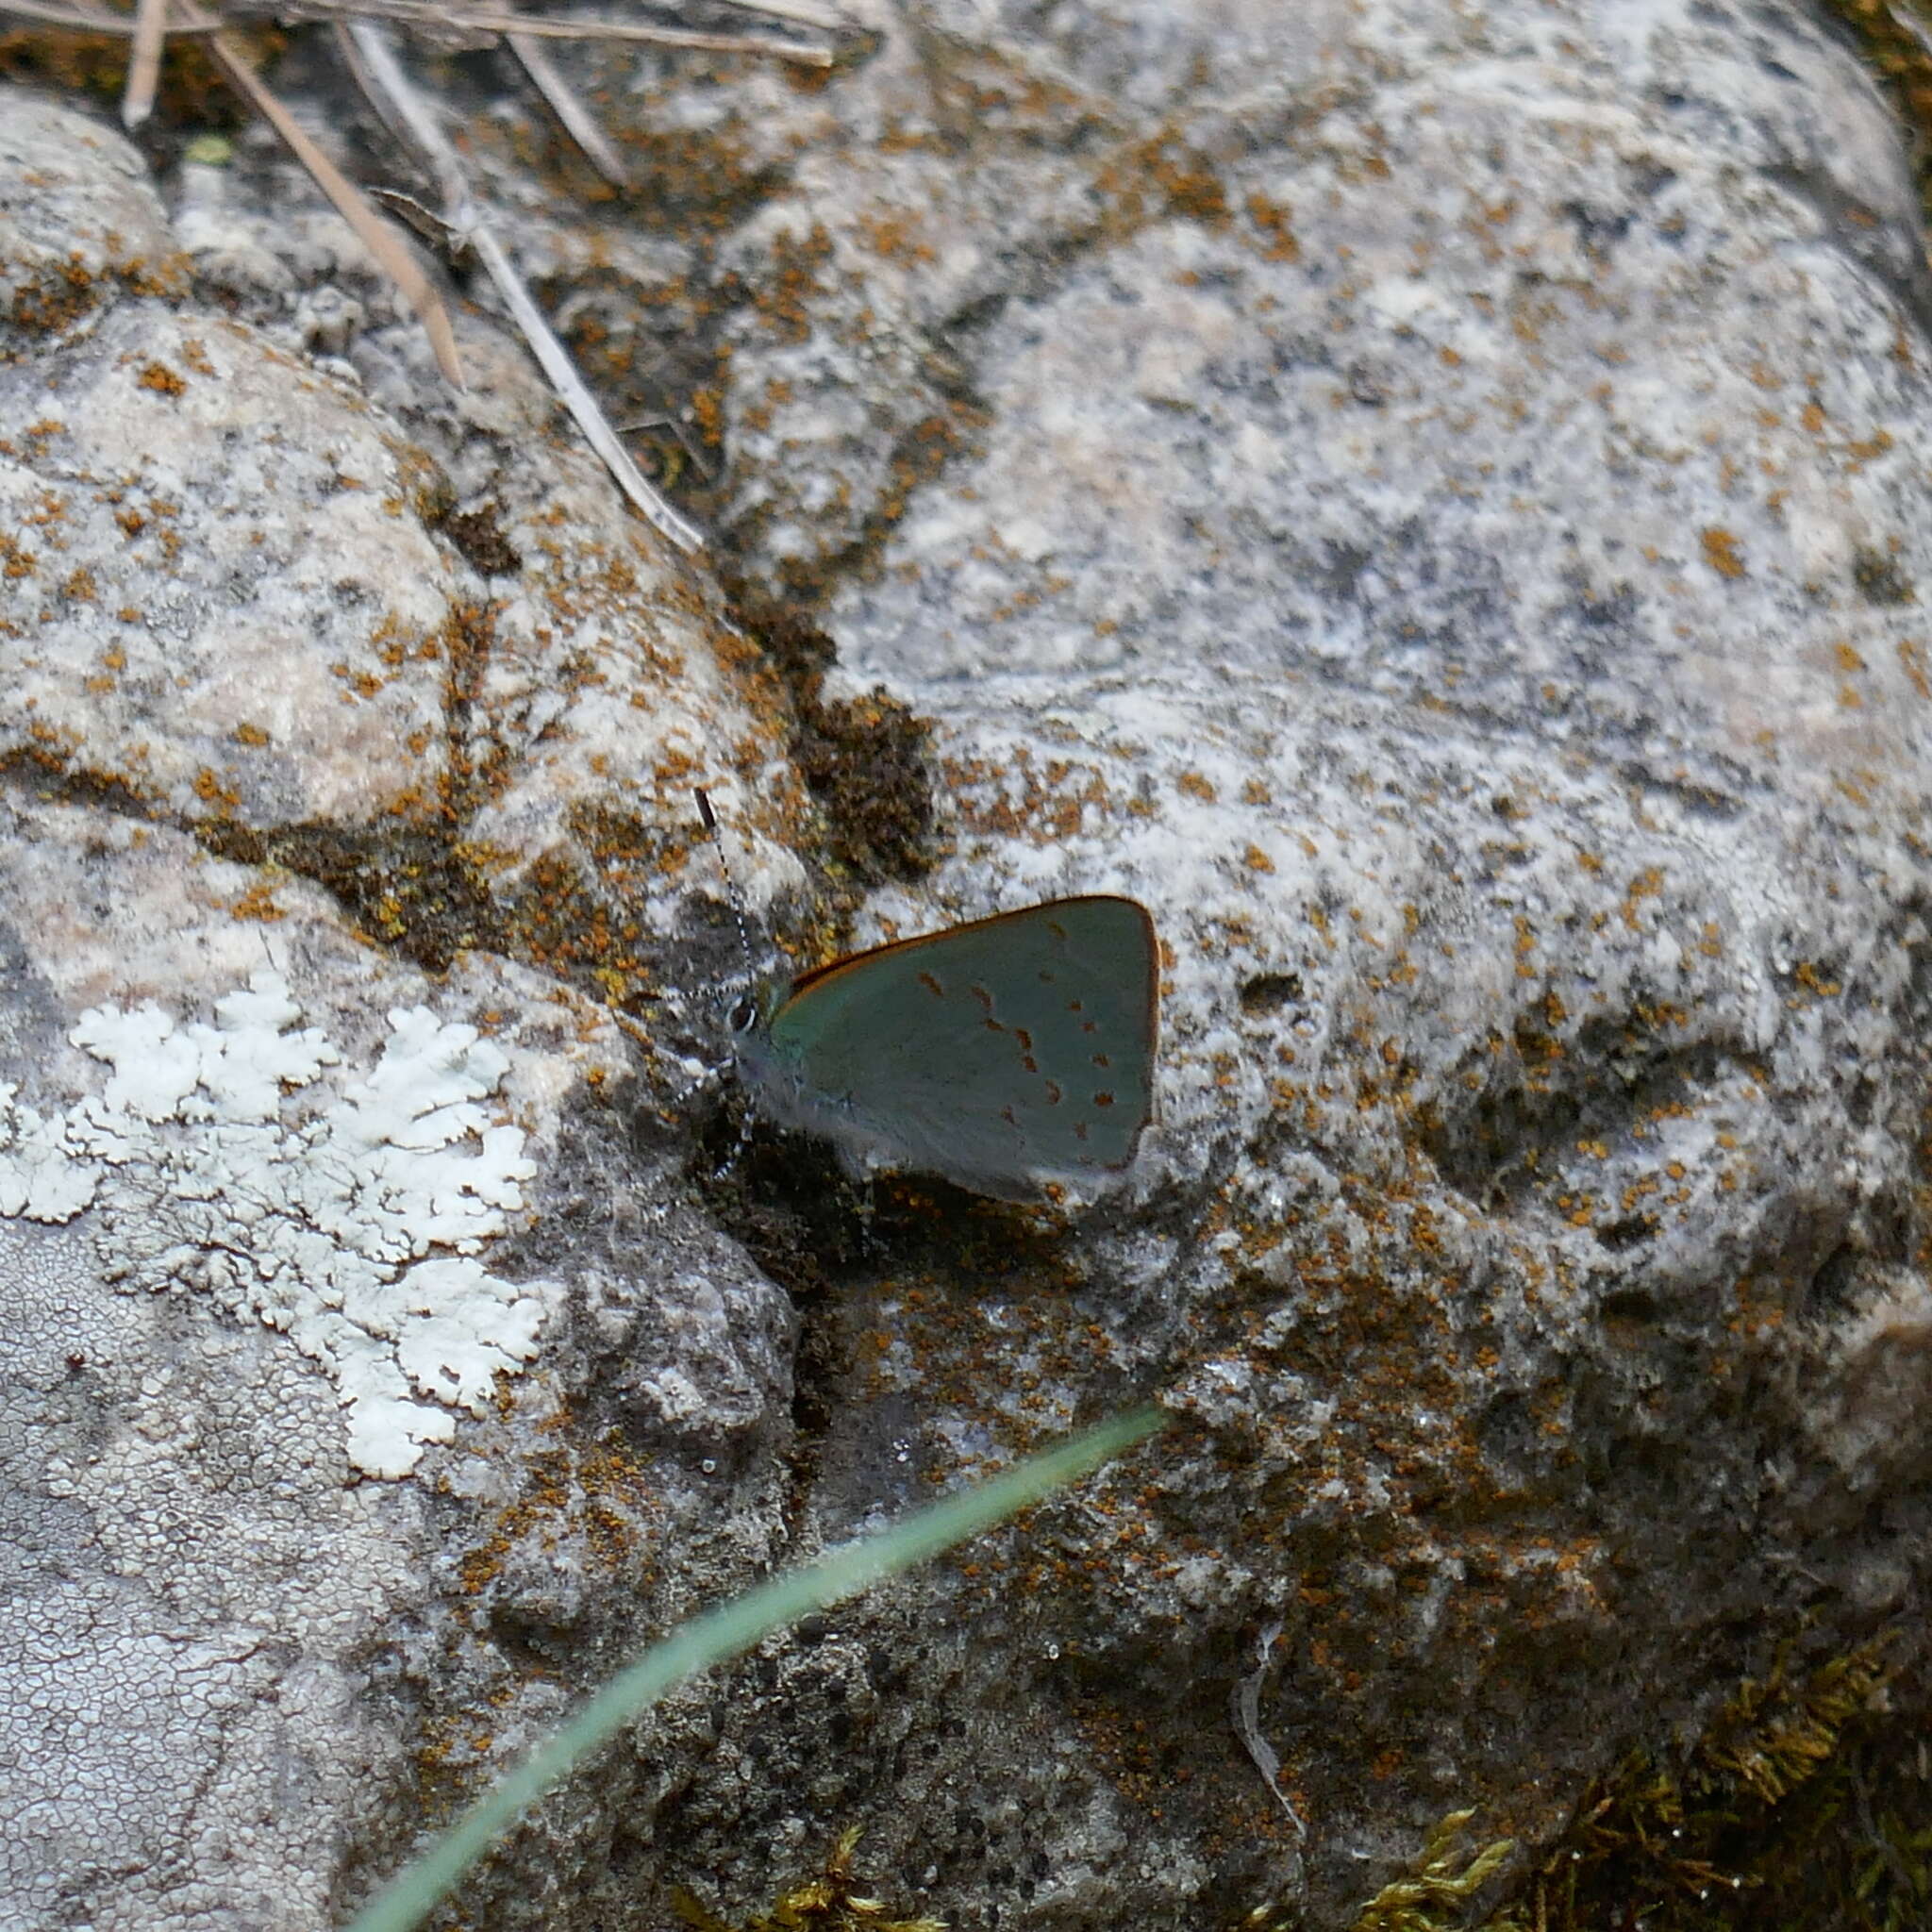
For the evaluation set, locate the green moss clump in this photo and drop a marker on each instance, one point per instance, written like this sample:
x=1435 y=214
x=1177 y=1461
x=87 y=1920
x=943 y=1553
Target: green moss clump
x=1432 y=1897
x=1804 y=1807
x=826 y=1903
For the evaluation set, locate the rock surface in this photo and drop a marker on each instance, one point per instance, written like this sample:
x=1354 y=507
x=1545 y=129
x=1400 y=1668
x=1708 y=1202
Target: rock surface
x=1429 y=501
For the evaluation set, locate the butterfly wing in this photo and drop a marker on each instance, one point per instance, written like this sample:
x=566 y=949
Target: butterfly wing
x=1012 y=1050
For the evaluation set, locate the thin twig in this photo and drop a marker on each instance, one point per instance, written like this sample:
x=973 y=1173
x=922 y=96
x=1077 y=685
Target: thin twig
x=144 y=66
x=493 y=23
x=404 y=110
x=700 y=462
x=376 y=70
x=391 y=251
x=381 y=77
x=123 y=26
x=81 y=20
x=575 y=118
x=562 y=373
x=423 y=222
x=793 y=9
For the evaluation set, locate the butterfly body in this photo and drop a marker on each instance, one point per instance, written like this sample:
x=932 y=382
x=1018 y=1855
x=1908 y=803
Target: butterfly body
x=1006 y=1055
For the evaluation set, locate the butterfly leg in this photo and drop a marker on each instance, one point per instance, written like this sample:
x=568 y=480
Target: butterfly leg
x=747 y=1122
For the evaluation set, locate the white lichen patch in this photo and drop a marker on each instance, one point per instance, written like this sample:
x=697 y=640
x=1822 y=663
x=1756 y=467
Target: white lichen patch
x=347 y=1215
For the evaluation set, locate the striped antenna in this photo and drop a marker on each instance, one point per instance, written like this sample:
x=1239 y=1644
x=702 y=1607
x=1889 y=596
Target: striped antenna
x=733 y=897
x=747 y=1006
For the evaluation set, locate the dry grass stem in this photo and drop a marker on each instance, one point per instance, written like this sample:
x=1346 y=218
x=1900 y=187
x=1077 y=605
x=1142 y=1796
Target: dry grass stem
x=402 y=106
x=85 y=20
x=410 y=118
x=809 y=53
x=391 y=251
x=144 y=63
x=591 y=418
x=575 y=118
x=451 y=28
x=793 y=10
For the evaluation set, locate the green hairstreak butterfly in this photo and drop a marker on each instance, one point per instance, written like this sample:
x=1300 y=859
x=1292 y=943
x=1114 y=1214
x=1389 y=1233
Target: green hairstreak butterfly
x=1006 y=1055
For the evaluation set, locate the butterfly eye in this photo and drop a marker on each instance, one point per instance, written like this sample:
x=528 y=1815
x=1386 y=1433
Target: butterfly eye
x=740 y=1016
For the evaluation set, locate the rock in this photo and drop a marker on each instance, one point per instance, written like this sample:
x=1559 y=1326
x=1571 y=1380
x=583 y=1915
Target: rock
x=1429 y=503
x=266 y=1189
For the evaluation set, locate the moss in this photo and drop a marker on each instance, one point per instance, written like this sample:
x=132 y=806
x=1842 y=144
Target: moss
x=406 y=885
x=1880 y=580
x=1445 y=1878
x=1890 y=36
x=1806 y=1805
x=478 y=535
x=192 y=94
x=826 y=1903
x=863 y=759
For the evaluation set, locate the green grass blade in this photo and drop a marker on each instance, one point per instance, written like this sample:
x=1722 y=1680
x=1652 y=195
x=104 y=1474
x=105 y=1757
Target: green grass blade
x=729 y=1630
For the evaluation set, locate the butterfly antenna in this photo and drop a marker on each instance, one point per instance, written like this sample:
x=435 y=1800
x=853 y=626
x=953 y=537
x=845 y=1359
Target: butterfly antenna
x=736 y=900
x=732 y=896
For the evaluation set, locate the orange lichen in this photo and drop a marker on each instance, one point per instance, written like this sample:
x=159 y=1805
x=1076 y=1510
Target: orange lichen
x=1720 y=552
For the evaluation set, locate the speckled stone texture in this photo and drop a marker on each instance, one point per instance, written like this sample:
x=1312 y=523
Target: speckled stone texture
x=1432 y=500
x=274 y=690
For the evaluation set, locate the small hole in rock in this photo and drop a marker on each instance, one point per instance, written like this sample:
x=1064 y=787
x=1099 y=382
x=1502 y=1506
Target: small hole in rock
x=1269 y=992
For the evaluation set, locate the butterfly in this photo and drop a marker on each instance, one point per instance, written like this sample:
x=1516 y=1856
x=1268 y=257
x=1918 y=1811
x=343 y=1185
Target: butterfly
x=1005 y=1056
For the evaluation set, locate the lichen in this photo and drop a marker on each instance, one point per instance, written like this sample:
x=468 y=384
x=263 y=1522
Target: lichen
x=212 y=1161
